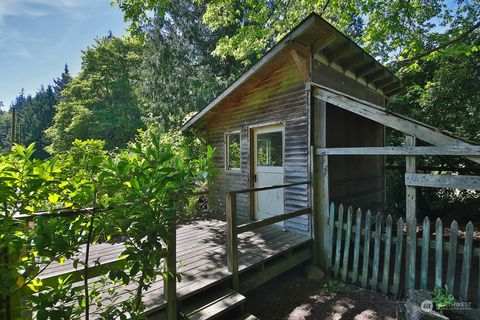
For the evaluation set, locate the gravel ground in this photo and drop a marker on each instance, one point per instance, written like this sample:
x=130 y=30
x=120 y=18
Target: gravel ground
x=294 y=297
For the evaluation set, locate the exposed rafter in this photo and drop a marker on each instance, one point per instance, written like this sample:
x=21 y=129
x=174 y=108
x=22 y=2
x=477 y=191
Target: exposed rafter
x=384 y=83
x=392 y=87
x=367 y=69
x=376 y=76
x=353 y=61
x=340 y=52
x=324 y=41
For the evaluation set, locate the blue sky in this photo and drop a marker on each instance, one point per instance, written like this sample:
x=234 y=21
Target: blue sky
x=37 y=38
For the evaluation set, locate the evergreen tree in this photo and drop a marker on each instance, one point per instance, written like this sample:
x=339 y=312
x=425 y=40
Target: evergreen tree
x=62 y=82
x=19 y=101
x=179 y=74
x=5 y=130
x=36 y=117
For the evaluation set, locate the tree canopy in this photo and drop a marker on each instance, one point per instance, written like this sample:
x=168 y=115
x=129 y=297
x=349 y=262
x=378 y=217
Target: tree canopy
x=179 y=74
x=101 y=102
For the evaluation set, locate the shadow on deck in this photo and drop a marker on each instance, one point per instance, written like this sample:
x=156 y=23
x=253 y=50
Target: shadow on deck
x=201 y=256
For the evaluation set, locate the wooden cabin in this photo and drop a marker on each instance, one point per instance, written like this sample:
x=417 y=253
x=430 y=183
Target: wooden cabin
x=263 y=125
x=302 y=128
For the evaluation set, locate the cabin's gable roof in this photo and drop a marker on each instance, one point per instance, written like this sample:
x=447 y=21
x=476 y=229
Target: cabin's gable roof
x=328 y=46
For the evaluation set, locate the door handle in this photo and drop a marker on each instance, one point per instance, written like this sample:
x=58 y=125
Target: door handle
x=255 y=178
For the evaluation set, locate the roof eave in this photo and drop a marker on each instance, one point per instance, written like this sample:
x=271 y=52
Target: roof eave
x=308 y=22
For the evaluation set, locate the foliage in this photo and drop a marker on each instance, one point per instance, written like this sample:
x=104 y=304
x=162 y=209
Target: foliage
x=151 y=183
x=441 y=91
x=100 y=103
x=442 y=298
x=62 y=82
x=334 y=286
x=388 y=29
x=132 y=196
x=179 y=74
x=34 y=114
x=35 y=117
x=139 y=12
x=5 y=129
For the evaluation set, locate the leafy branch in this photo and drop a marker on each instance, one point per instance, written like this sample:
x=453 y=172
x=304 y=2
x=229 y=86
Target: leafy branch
x=461 y=37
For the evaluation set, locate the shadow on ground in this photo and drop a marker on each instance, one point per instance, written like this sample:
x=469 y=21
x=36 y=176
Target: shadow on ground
x=292 y=296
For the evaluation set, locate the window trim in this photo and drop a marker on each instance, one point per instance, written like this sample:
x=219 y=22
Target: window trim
x=227 y=158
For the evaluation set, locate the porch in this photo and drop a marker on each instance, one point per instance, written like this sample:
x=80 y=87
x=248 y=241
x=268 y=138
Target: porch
x=202 y=262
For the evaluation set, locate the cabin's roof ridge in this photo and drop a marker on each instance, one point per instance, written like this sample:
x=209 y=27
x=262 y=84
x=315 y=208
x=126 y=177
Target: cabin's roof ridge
x=308 y=22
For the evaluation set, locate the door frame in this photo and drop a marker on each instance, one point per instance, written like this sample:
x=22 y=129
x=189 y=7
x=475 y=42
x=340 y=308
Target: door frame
x=252 y=158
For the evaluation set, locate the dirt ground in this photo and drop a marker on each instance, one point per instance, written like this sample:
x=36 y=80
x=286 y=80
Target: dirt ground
x=305 y=299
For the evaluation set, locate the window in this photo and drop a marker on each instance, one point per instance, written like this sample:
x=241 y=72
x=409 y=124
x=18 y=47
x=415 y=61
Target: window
x=233 y=151
x=269 y=149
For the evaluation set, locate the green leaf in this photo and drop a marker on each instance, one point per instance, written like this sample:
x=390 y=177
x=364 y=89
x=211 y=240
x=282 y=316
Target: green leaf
x=53 y=198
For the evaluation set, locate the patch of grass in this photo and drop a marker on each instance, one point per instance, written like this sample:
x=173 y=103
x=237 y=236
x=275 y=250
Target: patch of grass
x=334 y=286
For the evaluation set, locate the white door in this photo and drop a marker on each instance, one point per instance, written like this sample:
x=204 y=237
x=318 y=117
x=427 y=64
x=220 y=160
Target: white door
x=268 y=170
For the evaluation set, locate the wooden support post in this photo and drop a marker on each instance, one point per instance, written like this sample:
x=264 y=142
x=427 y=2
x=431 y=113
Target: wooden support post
x=232 y=239
x=320 y=186
x=410 y=210
x=314 y=221
x=171 y=279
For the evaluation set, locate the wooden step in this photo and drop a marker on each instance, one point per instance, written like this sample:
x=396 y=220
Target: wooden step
x=213 y=306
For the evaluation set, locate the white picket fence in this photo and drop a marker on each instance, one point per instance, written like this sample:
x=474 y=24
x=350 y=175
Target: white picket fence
x=370 y=251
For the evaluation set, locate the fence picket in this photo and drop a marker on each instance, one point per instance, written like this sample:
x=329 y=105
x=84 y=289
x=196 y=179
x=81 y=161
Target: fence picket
x=331 y=228
x=356 y=249
x=412 y=253
x=376 y=251
x=438 y=252
x=452 y=257
x=386 y=257
x=339 y=241
x=467 y=259
x=366 y=249
x=375 y=271
x=346 y=252
x=478 y=293
x=425 y=253
x=398 y=257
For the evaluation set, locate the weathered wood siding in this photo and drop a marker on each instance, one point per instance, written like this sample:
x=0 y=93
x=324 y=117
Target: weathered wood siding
x=355 y=180
x=328 y=77
x=280 y=98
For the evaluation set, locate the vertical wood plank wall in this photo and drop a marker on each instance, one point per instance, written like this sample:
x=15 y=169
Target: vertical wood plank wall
x=281 y=97
x=357 y=180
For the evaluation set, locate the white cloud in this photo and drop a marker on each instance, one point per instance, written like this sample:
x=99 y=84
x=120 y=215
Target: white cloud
x=35 y=8
x=16 y=43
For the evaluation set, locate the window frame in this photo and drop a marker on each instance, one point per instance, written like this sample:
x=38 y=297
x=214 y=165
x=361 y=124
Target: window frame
x=227 y=149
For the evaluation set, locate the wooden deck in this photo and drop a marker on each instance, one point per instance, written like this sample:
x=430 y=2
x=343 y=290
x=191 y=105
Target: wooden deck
x=201 y=256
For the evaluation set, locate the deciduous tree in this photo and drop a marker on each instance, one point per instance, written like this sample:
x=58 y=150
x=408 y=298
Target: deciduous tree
x=101 y=102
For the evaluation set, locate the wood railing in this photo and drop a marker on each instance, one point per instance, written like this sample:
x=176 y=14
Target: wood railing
x=11 y=306
x=233 y=229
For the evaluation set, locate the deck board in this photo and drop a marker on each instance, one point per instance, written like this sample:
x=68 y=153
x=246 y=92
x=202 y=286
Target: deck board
x=201 y=254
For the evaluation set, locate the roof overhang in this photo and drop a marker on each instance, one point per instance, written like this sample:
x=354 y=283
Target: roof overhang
x=327 y=45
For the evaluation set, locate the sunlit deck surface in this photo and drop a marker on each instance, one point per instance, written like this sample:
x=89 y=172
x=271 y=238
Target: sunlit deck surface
x=201 y=258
